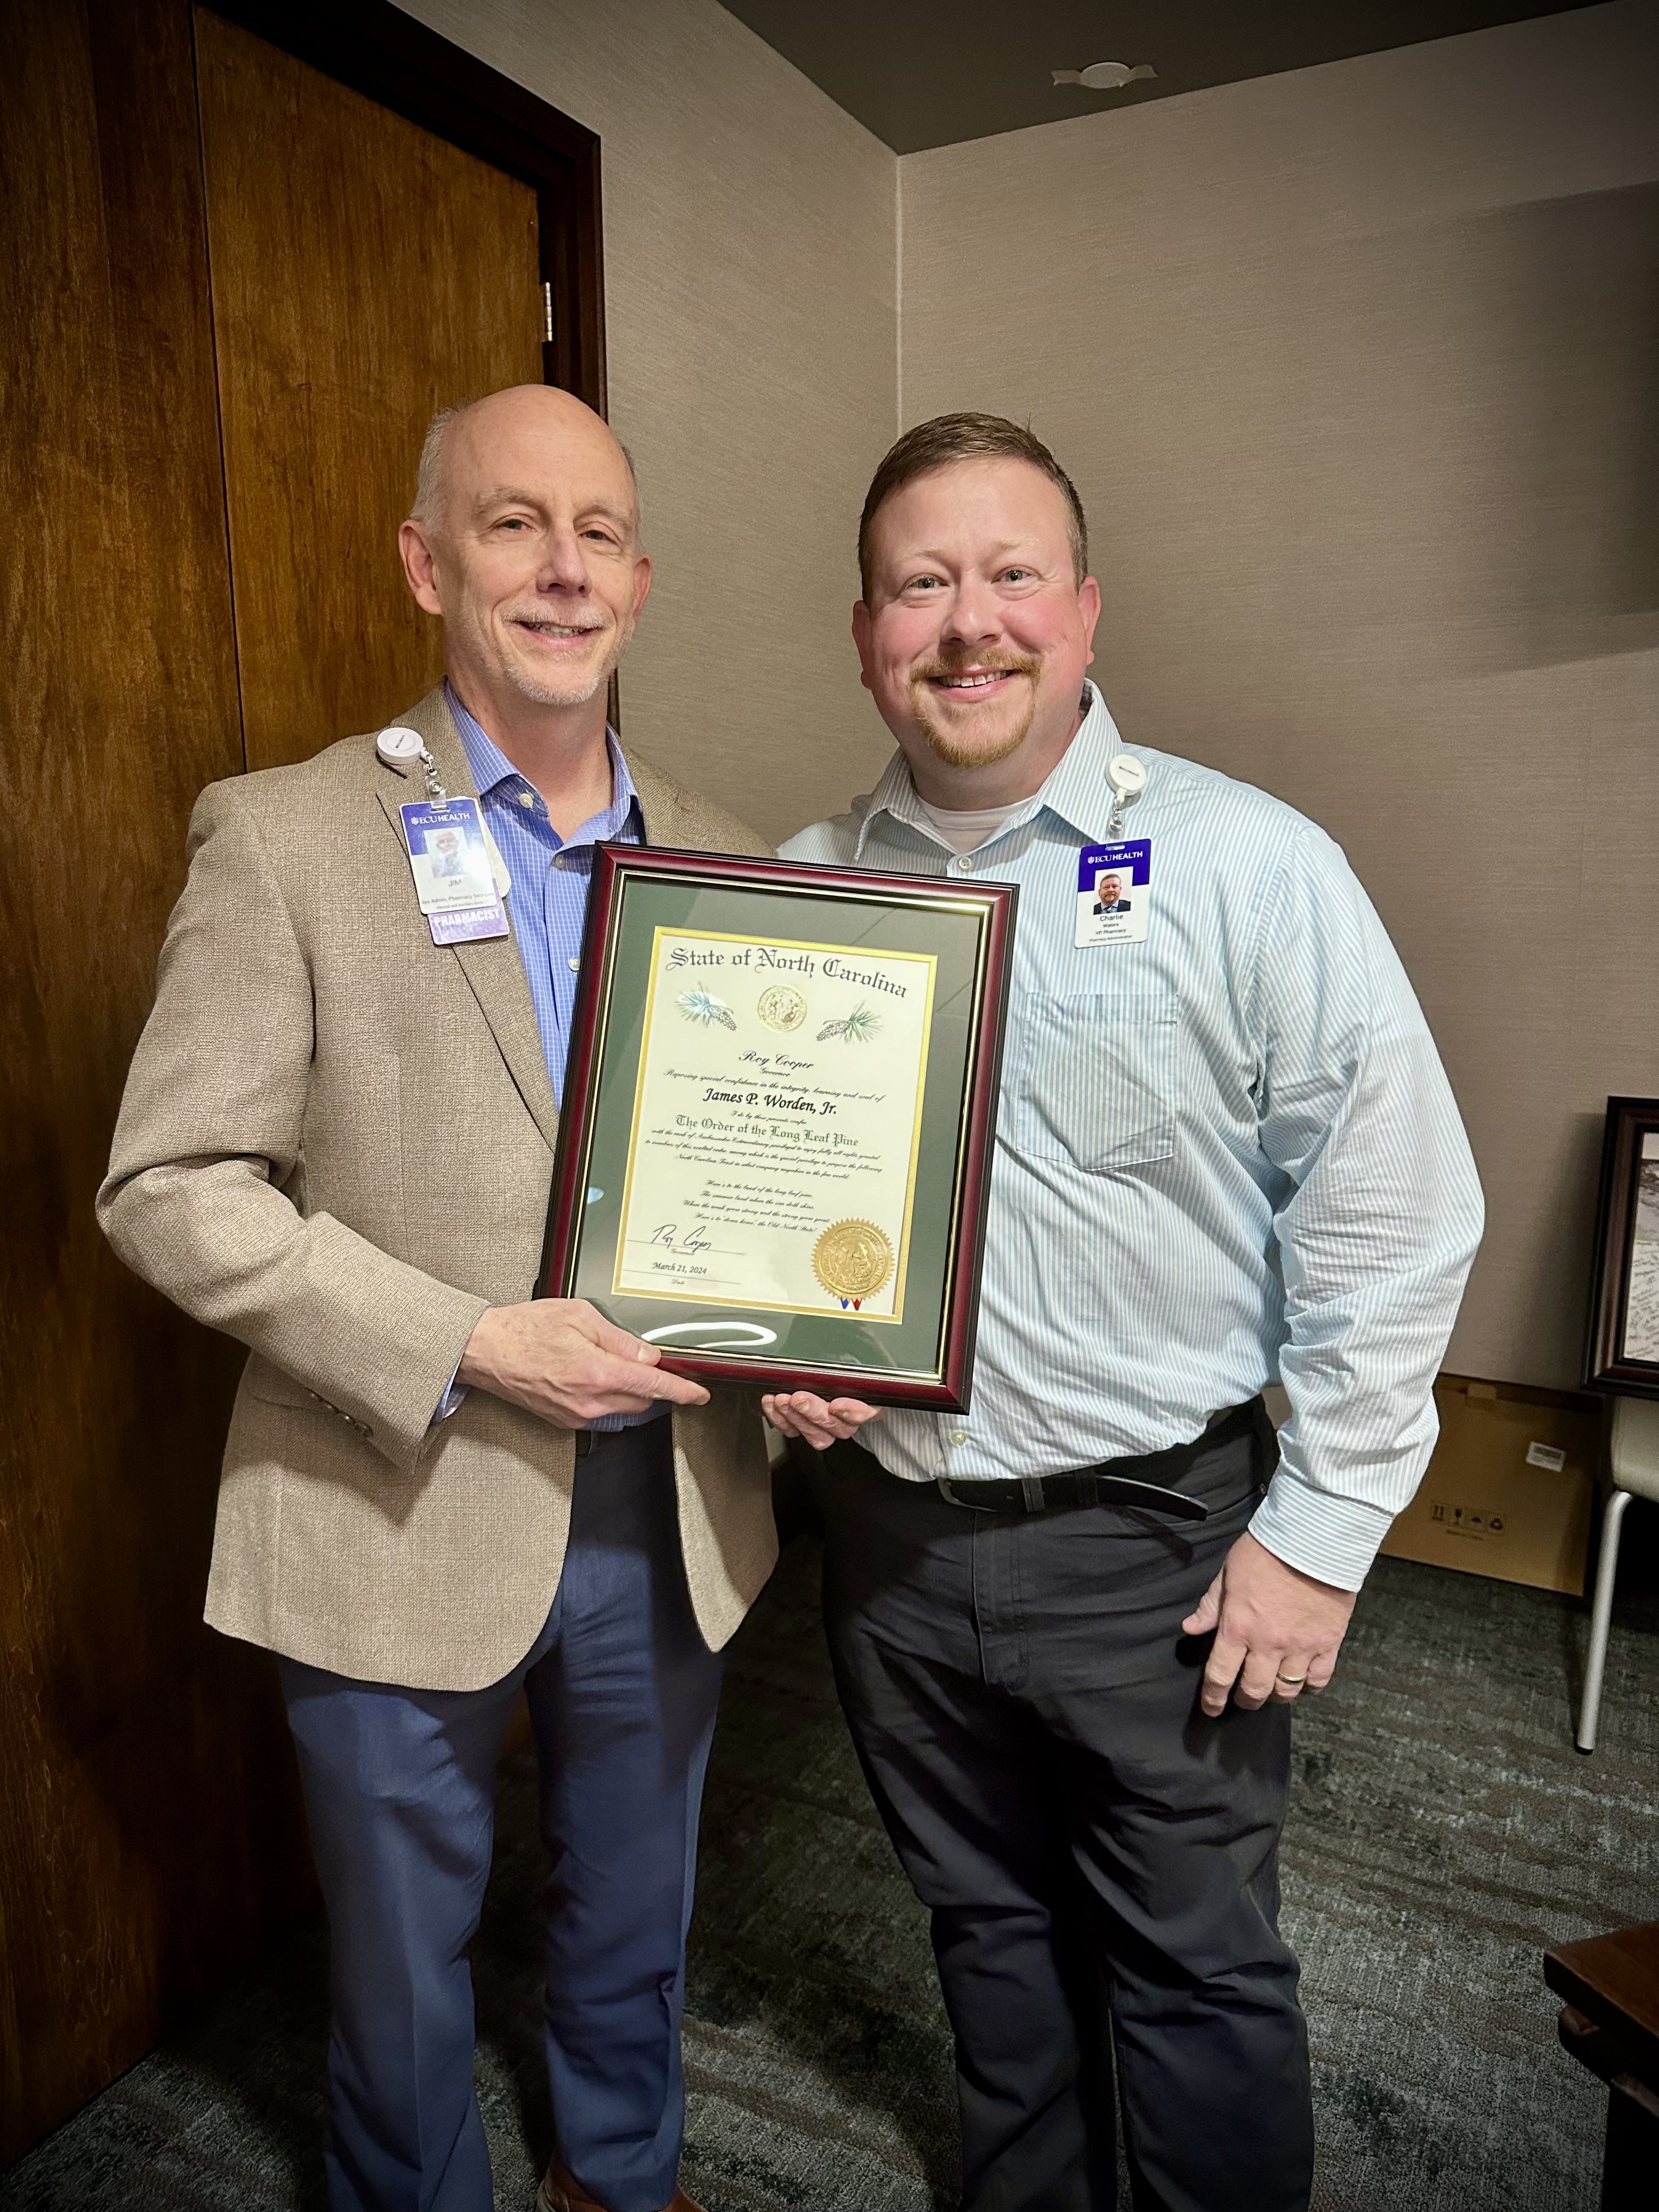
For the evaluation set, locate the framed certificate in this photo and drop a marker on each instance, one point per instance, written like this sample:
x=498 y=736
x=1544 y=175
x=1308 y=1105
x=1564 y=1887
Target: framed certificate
x=780 y=1103
x=1623 y=1351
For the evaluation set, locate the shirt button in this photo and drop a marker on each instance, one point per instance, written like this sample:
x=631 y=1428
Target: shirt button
x=959 y=1436
x=575 y=960
x=526 y=799
x=962 y=866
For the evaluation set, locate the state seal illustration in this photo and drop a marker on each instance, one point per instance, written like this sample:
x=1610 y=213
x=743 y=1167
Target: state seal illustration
x=853 y=1261
x=781 y=1007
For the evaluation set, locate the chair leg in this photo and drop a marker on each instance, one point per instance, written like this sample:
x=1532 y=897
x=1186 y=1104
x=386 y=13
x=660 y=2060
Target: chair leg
x=1600 y=1618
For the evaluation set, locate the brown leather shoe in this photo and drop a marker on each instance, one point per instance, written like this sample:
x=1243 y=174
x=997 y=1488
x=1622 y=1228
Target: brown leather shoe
x=561 y=2192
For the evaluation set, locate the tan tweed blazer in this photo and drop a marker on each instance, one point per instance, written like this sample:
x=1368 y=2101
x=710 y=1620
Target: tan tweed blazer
x=335 y=1145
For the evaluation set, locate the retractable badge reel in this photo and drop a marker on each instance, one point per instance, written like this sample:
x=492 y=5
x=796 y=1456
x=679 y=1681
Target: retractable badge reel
x=459 y=880
x=1114 y=880
x=401 y=747
x=1127 y=777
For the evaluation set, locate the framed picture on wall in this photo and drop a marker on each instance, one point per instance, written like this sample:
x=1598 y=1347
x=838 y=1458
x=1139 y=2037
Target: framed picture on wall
x=1623 y=1352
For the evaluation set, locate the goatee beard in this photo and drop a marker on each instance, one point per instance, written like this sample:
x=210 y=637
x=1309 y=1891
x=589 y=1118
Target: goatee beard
x=985 y=754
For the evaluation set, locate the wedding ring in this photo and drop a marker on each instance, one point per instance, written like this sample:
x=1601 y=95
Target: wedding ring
x=1291 y=1681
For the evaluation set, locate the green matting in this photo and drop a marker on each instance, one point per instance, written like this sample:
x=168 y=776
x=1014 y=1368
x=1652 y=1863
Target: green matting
x=1443 y=1833
x=933 y=924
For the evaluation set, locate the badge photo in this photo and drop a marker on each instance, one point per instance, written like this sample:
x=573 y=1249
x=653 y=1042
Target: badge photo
x=1113 y=893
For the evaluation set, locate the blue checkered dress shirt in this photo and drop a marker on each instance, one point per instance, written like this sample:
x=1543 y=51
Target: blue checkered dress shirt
x=547 y=902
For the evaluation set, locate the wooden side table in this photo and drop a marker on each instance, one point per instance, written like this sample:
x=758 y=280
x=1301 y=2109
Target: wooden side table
x=1610 y=2023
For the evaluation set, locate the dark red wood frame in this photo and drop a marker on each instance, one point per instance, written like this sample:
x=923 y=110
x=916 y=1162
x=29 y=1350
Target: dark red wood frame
x=1628 y=1120
x=961 y=1316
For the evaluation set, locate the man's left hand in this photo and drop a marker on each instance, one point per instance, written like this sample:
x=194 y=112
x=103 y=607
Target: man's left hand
x=1276 y=1631
x=802 y=1413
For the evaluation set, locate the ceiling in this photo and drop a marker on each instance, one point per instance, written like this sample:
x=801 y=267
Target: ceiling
x=929 y=72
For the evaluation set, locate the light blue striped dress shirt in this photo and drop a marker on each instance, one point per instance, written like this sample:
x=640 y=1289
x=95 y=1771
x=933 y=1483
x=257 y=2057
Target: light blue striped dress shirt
x=1226 y=1155
x=547 y=905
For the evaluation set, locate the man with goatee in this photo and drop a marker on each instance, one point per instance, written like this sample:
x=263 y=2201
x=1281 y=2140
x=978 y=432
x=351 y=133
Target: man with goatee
x=1069 y=1627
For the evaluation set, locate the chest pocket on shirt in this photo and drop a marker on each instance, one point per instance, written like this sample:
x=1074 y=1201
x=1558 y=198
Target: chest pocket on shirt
x=1096 y=1081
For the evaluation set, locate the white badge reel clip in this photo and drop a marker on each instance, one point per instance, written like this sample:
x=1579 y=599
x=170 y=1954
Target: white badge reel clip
x=1127 y=777
x=401 y=747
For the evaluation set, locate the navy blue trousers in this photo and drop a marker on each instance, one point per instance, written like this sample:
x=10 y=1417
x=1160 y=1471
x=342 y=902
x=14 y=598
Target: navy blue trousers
x=400 y=1787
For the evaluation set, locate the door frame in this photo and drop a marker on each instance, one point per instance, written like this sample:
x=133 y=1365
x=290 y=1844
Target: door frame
x=376 y=49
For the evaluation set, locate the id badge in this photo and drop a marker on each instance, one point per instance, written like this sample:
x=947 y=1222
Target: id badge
x=450 y=858
x=1113 y=893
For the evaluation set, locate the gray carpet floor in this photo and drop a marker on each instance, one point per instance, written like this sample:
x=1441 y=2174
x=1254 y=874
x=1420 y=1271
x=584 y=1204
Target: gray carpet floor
x=1444 y=1833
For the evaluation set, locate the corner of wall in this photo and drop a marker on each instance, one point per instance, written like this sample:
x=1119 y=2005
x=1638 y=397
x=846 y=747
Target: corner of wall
x=898 y=295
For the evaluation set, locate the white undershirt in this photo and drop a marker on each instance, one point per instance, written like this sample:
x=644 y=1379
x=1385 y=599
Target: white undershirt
x=965 y=829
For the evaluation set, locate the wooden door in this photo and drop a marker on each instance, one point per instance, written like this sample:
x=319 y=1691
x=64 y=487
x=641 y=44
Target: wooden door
x=364 y=274
x=363 y=270
x=149 y=1835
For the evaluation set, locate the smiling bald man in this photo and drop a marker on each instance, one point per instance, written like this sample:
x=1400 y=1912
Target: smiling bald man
x=335 y=1145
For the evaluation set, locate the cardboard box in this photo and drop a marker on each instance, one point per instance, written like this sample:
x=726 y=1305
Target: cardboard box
x=1511 y=1488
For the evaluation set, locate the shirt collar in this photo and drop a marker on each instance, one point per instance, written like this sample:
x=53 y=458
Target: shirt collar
x=491 y=767
x=1076 y=789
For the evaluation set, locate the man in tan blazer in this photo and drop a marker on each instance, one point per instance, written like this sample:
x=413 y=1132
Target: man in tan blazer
x=335 y=1145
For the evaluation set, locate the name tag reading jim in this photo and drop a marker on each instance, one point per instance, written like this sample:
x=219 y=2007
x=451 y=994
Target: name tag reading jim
x=451 y=861
x=1113 y=893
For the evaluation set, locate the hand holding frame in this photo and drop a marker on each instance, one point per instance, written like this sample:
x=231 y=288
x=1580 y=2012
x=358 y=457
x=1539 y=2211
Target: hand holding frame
x=803 y=1414
x=562 y=1359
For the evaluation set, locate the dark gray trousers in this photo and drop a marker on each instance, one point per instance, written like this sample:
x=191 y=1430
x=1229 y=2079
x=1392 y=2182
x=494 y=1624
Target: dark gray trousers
x=1099 y=1859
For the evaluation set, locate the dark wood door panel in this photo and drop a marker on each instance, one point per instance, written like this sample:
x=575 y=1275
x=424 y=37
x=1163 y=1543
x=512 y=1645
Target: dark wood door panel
x=149 y=1835
x=364 y=272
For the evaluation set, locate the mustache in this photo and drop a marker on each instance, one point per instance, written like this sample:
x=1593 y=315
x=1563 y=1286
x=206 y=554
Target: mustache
x=1001 y=663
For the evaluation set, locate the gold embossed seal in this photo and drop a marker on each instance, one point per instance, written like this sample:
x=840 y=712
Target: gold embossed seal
x=852 y=1260
x=781 y=1007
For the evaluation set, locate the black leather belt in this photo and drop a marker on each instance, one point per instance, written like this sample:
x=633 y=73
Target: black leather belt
x=589 y=1440
x=1133 y=1481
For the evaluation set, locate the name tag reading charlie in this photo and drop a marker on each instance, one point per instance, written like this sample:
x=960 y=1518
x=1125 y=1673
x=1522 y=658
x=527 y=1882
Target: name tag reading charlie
x=450 y=858
x=1114 y=892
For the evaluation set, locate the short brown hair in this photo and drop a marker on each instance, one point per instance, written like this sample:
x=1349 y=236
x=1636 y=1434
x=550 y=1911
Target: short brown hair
x=948 y=438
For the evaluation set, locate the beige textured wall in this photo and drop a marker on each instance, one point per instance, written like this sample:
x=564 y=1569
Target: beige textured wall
x=1358 y=370
x=749 y=240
